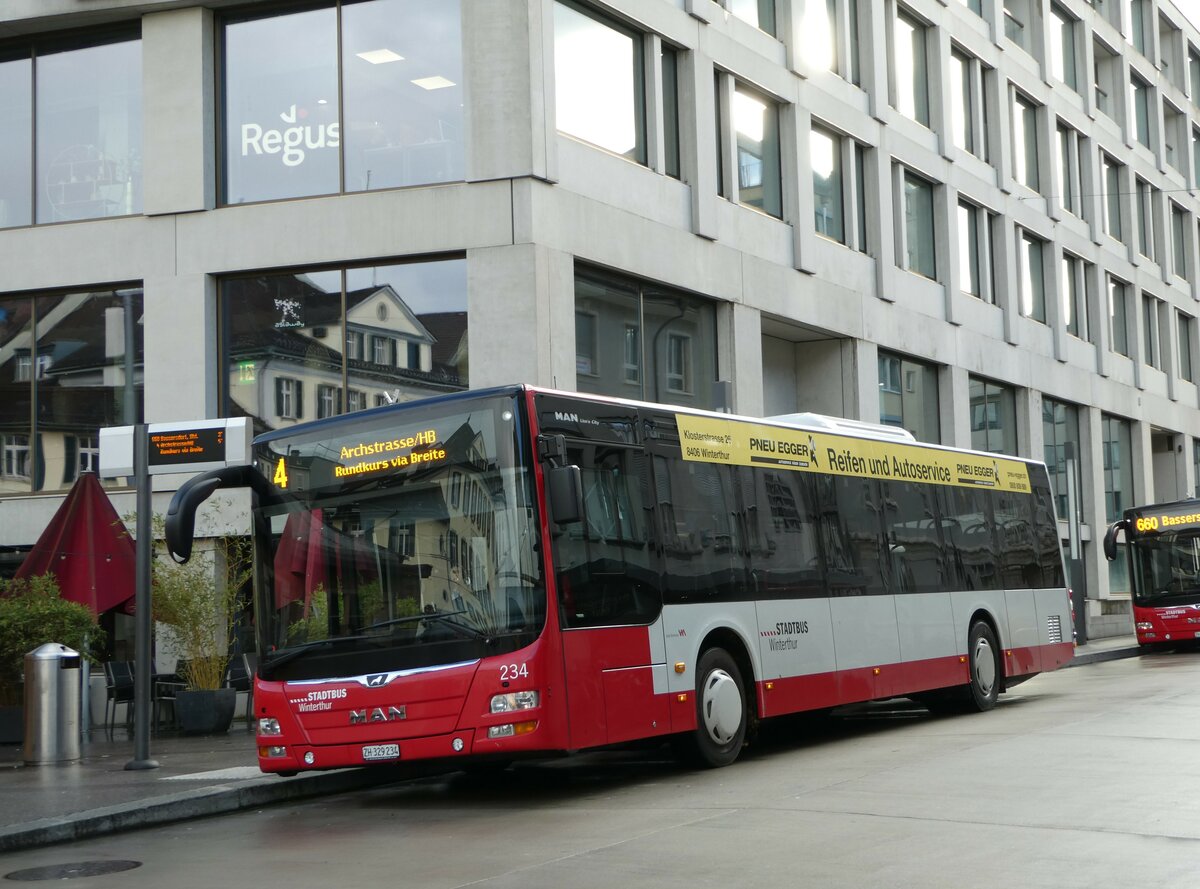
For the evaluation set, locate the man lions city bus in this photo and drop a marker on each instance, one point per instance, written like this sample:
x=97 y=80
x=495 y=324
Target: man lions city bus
x=1163 y=556
x=518 y=572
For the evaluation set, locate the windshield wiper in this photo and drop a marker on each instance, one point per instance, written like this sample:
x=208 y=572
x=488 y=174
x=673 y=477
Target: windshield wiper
x=443 y=617
x=287 y=654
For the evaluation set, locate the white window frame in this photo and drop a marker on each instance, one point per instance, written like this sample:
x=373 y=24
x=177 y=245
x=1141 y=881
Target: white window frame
x=678 y=379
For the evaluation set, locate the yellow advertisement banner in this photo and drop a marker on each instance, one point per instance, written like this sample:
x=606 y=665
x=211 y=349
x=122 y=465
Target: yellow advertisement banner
x=738 y=443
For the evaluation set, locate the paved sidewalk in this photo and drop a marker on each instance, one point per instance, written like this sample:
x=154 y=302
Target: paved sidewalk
x=200 y=776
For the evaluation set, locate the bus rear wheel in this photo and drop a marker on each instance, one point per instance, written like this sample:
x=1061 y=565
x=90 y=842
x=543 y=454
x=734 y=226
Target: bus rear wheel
x=721 y=712
x=983 y=656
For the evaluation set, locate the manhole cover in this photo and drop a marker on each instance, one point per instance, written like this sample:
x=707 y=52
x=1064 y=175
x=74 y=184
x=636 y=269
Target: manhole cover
x=72 y=870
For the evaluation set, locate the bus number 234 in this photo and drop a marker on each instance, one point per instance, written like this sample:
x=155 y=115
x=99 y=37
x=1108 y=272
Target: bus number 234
x=514 y=671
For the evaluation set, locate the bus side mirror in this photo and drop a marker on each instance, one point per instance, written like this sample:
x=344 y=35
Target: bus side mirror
x=1110 y=539
x=564 y=484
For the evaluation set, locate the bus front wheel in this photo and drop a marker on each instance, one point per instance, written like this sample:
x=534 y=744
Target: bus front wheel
x=983 y=655
x=721 y=712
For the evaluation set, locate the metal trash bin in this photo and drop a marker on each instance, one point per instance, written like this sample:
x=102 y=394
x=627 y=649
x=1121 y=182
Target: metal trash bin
x=52 y=678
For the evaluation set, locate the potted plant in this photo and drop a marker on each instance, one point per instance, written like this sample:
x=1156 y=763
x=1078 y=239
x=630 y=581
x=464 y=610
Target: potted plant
x=32 y=613
x=198 y=605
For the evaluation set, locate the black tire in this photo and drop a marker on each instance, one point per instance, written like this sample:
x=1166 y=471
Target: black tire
x=987 y=673
x=721 y=712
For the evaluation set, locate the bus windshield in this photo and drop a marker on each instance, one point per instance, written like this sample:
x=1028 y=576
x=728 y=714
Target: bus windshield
x=398 y=540
x=1166 y=567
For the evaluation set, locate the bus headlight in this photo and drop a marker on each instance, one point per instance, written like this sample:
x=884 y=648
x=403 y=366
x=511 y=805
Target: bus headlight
x=516 y=700
x=269 y=727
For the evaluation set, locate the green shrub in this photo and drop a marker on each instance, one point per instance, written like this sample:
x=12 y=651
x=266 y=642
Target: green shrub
x=32 y=613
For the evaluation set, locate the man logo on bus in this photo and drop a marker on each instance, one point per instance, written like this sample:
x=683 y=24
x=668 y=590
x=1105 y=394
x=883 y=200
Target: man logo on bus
x=376 y=681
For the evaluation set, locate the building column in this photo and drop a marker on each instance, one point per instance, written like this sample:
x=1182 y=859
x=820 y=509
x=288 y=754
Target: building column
x=739 y=358
x=522 y=298
x=179 y=137
x=179 y=344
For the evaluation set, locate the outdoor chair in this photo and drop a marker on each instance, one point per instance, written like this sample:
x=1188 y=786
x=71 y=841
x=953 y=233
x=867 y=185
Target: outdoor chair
x=118 y=689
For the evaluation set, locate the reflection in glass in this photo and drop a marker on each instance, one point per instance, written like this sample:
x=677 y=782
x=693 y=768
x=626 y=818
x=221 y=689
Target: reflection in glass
x=1025 y=142
x=908 y=395
x=1032 y=279
x=16 y=142
x=920 y=256
x=760 y=13
x=756 y=126
x=82 y=370
x=1117 y=317
x=993 y=417
x=819 y=33
x=826 y=151
x=624 y=325
x=1062 y=47
x=670 y=89
x=912 y=77
x=89 y=132
x=403 y=95
x=281 y=106
x=293 y=353
x=969 y=249
x=598 y=83
x=961 y=112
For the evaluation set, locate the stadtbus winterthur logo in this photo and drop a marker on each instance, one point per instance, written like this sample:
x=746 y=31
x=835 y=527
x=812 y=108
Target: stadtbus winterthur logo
x=292 y=142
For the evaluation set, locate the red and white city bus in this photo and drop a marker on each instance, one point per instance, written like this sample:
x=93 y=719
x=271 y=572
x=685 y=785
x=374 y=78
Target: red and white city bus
x=1163 y=556
x=518 y=572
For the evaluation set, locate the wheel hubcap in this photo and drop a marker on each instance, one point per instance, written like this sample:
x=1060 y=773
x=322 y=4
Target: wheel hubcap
x=721 y=706
x=985 y=667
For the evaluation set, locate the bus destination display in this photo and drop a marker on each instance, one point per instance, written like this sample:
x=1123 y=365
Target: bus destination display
x=356 y=459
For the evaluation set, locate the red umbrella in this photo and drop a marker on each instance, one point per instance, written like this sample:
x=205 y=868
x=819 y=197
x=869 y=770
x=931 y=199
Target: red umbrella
x=85 y=546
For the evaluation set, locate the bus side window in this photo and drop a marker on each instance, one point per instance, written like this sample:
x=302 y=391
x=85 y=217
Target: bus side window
x=1019 y=565
x=702 y=543
x=603 y=561
x=852 y=535
x=918 y=556
x=971 y=547
x=782 y=532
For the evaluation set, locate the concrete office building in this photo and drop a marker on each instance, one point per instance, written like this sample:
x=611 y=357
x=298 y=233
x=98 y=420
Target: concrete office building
x=977 y=219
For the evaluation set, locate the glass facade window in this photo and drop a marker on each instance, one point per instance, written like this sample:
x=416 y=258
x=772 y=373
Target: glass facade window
x=1025 y=142
x=1150 y=338
x=1018 y=23
x=908 y=395
x=962 y=101
x=1145 y=218
x=993 y=417
x=1074 y=297
x=1187 y=339
x=1030 y=255
x=1179 y=241
x=1066 y=169
x=1141 y=109
x=1112 y=197
x=1106 y=71
x=305 y=115
x=1174 y=134
x=1116 y=436
x=975 y=277
x=1137 y=24
x=820 y=34
x=1062 y=47
x=70 y=364
x=825 y=149
x=599 y=82
x=636 y=339
x=1118 y=316
x=756 y=129
x=1061 y=451
x=72 y=136
x=283 y=336
x=919 y=254
x=912 y=69
x=670 y=111
x=1194 y=74
x=759 y=13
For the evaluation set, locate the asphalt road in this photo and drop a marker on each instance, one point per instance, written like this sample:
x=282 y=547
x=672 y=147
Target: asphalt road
x=1084 y=777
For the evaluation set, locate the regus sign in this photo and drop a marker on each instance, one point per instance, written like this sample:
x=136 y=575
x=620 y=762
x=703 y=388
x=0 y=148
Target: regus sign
x=291 y=141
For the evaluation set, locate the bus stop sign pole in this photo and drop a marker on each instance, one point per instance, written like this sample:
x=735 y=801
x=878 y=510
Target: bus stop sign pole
x=143 y=668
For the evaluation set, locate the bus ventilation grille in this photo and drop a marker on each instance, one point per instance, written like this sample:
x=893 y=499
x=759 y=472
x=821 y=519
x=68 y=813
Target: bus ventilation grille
x=1054 y=627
